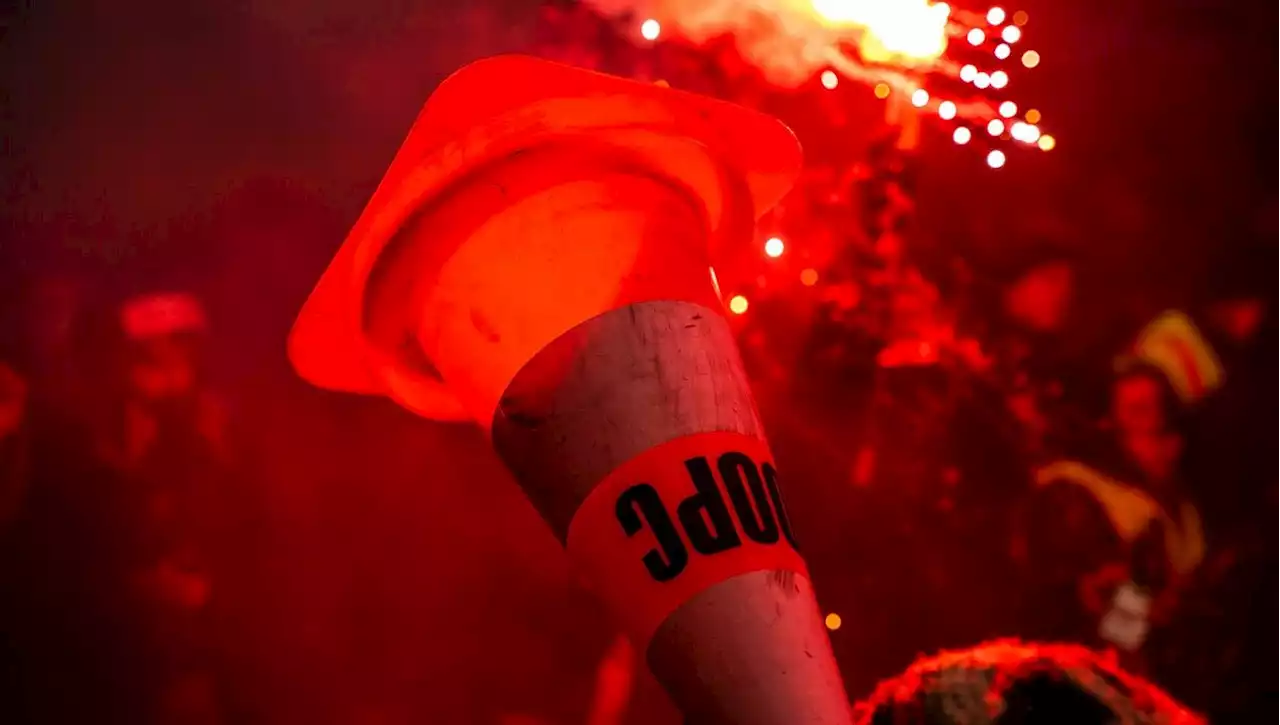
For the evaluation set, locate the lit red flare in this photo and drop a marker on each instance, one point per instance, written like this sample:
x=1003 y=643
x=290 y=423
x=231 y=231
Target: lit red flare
x=917 y=48
x=906 y=32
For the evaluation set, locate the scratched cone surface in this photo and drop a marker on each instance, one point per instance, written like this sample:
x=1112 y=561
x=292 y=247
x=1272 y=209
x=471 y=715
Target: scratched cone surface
x=736 y=643
x=559 y=293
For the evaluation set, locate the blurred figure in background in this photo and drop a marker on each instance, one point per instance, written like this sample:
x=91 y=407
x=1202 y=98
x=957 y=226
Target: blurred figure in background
x=1040 y=344
x=1115 y=536
x=1151 y=544
x=175 y=507
x=1040 y=294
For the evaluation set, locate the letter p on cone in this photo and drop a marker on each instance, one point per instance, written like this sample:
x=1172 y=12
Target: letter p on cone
x=537 y=259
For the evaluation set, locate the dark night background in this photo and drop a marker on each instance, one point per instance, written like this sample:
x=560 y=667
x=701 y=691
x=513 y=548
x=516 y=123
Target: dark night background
x=226 y=147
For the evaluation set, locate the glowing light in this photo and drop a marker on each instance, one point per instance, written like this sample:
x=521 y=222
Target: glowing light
x=774 y=247
x=650 y=29
x=1002 y=51
x=809 y=277
x=946 y=110
x=1047 y=142
x=1021 y=17
x=982 y=80
x=830 y=80
x=906 y=29
x=833 y=621
x=882 y=90
x=1008 y=109
x=1033 y=116
x=738 y=304
x=919 y=98
x=1030 y=59
x=1017 y=130
x=962 y=136
x=976 y=36
x=995 y=127
x=995 y=159
x=999 y=79
x=968 y=72
x=995 y=16
x=1031 y=133
x=1011 y=33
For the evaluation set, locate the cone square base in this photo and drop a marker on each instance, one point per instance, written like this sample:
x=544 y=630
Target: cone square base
x=494 y=109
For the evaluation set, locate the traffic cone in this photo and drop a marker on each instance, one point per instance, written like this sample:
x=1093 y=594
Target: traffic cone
x=538 y=260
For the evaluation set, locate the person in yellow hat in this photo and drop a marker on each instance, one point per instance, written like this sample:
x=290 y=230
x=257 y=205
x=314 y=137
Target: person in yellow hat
x=1114 y=537
x=1217 y=359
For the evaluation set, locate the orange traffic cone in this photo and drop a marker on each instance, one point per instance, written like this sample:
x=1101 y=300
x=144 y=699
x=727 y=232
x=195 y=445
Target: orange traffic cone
x=538 y=260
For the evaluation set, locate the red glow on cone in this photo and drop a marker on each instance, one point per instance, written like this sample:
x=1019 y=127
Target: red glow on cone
x=737 y=163
x=555 y=241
